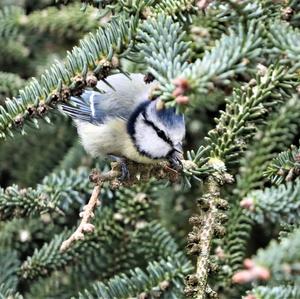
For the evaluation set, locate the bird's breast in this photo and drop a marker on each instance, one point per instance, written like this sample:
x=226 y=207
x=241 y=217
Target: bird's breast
x=109 y=138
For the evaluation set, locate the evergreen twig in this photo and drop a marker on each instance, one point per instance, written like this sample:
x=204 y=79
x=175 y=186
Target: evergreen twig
x=236 y=123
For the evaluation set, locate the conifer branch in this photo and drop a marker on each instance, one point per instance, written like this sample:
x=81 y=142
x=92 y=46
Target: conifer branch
x=9 y=266
x=162 y=276
x=281 y=126
x=166 y=53
x=145 y=172
x=234 y=128
x=55 y=193
x=15 y=53
x=284 y=167
x=202 y=235
x=276 y=205
x=88 y=210
x=57 y=22
x=120 y=257
x=285 y=42
x=70 y=23
x=112 y=226
x=85 y=226
x=10 y=84
x=95 y=58
x=5 y=292
x=281 y=258
x=178 y=9
x=180 y=81
x=9 y=17
x=282 y=292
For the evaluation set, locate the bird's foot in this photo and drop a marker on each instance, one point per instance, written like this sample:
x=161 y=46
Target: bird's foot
x=123 y=165
x=124 y=171
x=175 y=164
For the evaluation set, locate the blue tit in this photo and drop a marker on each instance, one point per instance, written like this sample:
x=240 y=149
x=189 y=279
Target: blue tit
x=123 y=122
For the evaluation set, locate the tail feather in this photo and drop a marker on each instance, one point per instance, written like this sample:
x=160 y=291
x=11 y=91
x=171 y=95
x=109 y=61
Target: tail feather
x=81 y=109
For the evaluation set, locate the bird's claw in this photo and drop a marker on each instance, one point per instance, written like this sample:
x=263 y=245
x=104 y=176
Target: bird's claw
x=123 y=167
x=175 y=163
x=124 y=171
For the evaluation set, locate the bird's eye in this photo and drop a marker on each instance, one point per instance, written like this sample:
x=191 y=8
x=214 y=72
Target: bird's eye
x=161 y=134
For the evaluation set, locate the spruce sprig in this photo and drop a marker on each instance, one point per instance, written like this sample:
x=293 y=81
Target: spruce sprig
x=96 y=56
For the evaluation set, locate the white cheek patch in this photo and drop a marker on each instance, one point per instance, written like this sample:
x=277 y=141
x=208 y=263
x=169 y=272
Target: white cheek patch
x=176 y=132
x=148 y=141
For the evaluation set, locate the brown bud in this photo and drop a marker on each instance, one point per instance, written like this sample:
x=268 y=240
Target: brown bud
x=42 y=109
x=281 y=172
x=19 y=120
x=253 y=272
x=149 y=78
x=287 y=13
x=195 y=220
x=94 y=176
x=190 y=291
x=164 y=285
x=222 y=217
x=143 y=295
x=91 y=80
x=221 y=204
x=31 y=111
x=192 y=280
x=54 y=98
x=211 y=293
x=194 y=238
x=203 y=203
x=219 y=230
x=297 y=157
x=213 y=267
x=182 y=83
x=193 y=249
x=65 y=93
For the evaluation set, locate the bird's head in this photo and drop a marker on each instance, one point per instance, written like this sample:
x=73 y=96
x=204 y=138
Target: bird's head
x=157 y=134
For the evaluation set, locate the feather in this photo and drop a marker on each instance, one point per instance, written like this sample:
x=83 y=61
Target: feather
x=118 y=102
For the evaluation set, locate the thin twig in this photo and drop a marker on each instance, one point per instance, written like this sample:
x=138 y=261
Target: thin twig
x=206 y=235
x=88 y=211
x=205 y=226
x=138 y=173
x=85 y=226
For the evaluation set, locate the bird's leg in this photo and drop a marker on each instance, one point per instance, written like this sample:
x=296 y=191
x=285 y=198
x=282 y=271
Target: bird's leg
x=123 y=165
x=175 y=157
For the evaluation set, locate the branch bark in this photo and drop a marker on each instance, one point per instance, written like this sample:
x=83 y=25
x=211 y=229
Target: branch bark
x=206 y=225
x=138 y=173
x=85 y=226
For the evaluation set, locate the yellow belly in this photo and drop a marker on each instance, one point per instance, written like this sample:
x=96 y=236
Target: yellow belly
x=110 y=138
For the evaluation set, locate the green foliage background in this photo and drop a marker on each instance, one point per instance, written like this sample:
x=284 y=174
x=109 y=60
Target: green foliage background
x=241 y=60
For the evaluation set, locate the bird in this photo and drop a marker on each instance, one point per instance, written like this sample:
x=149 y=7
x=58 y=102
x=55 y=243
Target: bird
x=118 y=120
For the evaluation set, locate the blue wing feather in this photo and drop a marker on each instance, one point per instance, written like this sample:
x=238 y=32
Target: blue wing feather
x=95 y=107
x=87 y=107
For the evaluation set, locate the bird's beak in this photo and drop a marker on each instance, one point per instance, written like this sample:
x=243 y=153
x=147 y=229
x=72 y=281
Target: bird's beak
x=176 y=156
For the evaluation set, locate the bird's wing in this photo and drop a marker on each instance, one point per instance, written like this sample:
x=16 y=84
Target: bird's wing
x=95 y=107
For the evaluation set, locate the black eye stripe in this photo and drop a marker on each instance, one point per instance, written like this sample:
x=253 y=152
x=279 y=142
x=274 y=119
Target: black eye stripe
x=158 y=131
